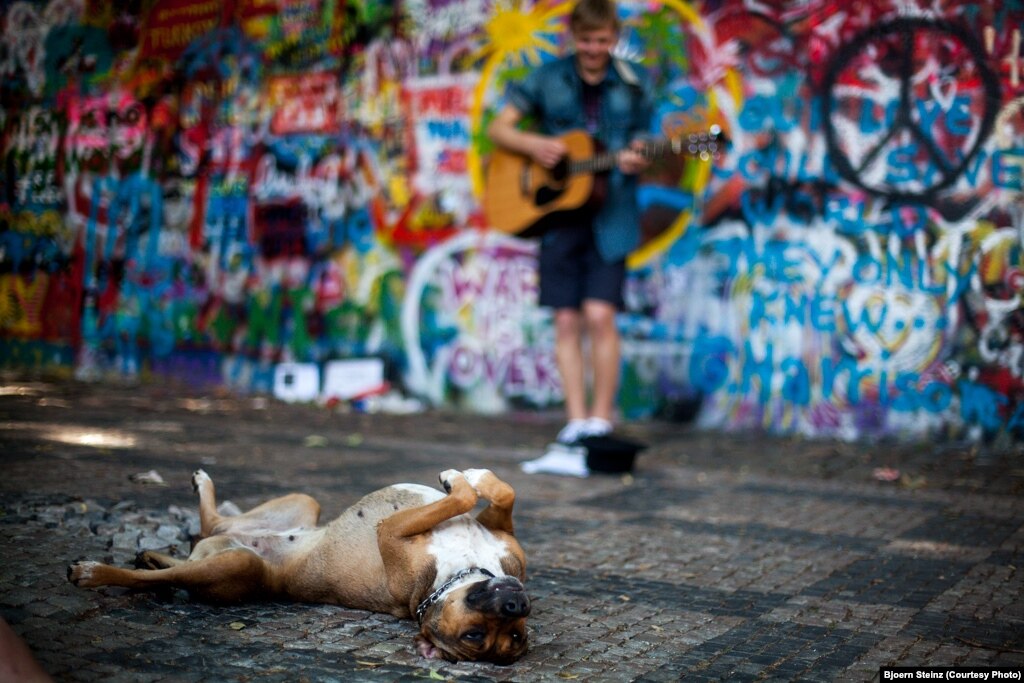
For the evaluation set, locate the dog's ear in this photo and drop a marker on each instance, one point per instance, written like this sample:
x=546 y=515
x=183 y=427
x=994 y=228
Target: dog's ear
x=426 y=648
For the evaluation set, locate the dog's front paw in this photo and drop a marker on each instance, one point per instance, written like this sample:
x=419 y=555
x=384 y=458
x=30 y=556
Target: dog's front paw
x=474 y=477
x=81 y=574
x=489 y=487
x=199 y=478
x=447 y=478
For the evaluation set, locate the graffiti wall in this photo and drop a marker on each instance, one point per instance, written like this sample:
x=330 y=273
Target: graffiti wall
x=209 y=190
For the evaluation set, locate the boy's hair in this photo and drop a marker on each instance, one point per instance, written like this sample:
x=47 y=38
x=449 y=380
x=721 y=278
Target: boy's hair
x=590 y=15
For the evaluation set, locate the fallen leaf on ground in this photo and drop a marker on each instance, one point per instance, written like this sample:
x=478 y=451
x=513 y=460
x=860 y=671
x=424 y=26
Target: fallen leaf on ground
x=909 y=482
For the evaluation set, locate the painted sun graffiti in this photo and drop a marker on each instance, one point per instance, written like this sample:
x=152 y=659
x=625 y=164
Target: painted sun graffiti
x=516 y=33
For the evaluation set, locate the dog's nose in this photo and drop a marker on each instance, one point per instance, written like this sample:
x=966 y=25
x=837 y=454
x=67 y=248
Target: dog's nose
x=516 y=605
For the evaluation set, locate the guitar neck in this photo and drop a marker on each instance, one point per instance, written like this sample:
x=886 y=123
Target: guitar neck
x=651 y=150
x=595 y=164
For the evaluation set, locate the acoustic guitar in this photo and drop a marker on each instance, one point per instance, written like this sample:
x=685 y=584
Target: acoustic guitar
x=521 y=193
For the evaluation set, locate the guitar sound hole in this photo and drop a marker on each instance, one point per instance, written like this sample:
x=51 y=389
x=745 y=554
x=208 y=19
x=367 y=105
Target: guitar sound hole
x=555 y=184
x=560 y=171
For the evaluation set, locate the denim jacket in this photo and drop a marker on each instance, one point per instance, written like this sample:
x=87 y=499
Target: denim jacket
x=553 y=94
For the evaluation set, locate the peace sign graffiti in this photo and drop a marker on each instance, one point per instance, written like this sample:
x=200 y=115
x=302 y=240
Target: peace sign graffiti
x=906 y=107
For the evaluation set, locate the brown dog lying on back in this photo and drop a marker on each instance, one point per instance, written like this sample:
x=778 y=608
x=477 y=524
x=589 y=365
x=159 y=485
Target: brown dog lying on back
x=407 y=550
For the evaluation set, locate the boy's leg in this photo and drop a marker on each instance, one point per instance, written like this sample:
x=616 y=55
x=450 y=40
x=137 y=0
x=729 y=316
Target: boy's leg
x=606 y=356
x=569 y=358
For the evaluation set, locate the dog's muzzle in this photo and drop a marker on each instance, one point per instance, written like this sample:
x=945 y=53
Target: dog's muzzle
x=503 y=596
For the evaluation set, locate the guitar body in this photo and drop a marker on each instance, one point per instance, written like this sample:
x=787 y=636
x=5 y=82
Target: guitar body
x=521 y=192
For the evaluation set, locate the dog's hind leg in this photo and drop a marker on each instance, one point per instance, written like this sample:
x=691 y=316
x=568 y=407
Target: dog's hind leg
x=227 y=576
x=209 y=518
x=295 y=510
x=291 y=511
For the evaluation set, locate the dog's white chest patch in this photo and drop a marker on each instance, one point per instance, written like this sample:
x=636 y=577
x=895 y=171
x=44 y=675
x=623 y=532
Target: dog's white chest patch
x=463 y=542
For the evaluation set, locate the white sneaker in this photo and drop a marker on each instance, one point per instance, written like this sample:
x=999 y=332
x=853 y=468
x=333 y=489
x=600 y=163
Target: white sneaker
x=559 y=459
x=572 y=432
x=596 y=426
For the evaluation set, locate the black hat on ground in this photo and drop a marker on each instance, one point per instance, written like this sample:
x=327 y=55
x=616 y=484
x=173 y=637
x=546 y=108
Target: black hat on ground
x=611 y=454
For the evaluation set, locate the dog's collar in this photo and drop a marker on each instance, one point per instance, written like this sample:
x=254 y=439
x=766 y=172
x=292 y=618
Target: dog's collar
x=436 y=595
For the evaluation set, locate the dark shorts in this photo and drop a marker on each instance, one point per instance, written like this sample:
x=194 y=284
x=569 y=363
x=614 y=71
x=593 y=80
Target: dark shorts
x=571 y=269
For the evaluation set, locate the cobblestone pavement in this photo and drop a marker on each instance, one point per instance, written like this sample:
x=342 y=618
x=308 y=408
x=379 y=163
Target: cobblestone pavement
x=724 y=556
